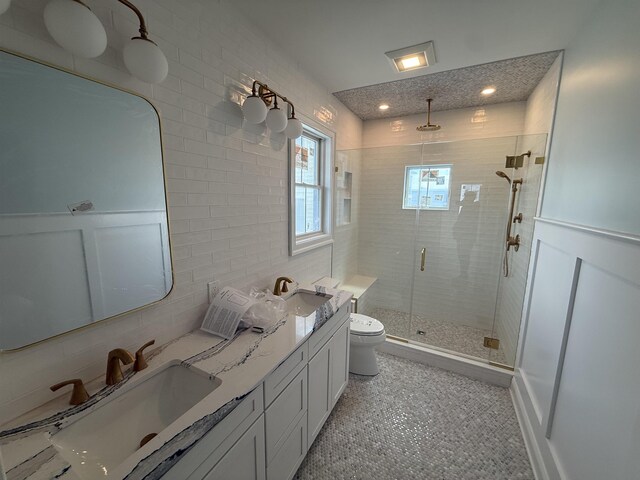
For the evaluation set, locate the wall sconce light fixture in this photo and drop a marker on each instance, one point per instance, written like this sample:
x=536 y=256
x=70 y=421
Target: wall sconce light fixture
x=76 y=28
x=255 y=110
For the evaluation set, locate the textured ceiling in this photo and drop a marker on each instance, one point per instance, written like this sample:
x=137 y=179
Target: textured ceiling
x=514 y=80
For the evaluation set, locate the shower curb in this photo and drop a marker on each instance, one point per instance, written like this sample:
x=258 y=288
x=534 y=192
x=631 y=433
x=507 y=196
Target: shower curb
x=435 y=358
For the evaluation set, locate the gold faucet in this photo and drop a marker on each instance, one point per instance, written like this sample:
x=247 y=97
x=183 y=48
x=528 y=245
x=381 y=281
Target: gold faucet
x=281 y=285
x=114 y=372
x=79 y=395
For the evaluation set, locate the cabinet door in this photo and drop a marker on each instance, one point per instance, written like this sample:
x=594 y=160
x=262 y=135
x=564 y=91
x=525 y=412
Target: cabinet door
x=284 y=413
x=245 y=460
x=288 y=459
x=339 y=346
x=320 y=397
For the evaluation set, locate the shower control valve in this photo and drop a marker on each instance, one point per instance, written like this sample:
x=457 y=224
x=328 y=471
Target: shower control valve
x=513 y=242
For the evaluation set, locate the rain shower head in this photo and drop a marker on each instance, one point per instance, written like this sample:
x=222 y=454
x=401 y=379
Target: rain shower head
x=501 y=174
x=429 y=127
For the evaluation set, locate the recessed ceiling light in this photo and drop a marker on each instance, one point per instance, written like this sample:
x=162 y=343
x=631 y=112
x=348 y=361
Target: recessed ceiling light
x=411 y=58
x=489 y=91
x=411 y=62
x=384 y=106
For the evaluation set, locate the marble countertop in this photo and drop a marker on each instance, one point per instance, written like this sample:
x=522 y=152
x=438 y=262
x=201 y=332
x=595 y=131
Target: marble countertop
x=241 y=362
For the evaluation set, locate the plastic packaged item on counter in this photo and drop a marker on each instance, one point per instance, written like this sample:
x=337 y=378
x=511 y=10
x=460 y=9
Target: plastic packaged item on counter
x=267 y=310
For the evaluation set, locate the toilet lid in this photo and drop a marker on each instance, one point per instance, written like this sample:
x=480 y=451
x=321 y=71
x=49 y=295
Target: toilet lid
x=363 y=325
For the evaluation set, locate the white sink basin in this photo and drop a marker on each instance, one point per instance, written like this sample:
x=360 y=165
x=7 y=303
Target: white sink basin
x=97 y=443
x=304 y=303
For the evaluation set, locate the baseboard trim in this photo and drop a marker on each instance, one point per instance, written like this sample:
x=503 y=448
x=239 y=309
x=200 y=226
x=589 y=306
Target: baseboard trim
x=435 y=358
x=535 y=456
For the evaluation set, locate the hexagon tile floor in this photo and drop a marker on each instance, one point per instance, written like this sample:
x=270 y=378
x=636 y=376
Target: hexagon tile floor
x=417 y=422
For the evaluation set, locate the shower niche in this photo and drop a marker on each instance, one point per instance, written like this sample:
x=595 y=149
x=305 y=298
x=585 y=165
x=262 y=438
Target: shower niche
x=344 y=190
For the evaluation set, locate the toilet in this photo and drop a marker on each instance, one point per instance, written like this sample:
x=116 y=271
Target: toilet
x=366 y=333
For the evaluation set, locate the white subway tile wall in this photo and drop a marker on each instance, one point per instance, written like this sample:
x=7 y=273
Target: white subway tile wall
x=226 y=181
x=345 y=248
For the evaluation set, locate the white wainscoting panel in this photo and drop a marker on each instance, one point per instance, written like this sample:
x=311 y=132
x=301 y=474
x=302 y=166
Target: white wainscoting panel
x=577 y=381
x=553 y=277
x=43 y=285
x=61 y=272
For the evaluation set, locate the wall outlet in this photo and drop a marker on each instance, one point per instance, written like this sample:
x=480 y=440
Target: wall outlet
x=214 y=289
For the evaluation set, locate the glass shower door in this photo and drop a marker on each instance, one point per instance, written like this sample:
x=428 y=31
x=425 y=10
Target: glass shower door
x=460 y=230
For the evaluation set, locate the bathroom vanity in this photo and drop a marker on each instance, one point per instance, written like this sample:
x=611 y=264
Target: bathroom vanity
x=267 y=436
x=265 y=397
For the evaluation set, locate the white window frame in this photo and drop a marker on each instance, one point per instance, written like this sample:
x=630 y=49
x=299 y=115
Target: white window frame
x=326 y=153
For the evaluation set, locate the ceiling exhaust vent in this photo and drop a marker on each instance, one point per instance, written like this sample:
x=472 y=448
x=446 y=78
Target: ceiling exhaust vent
x=412 y=58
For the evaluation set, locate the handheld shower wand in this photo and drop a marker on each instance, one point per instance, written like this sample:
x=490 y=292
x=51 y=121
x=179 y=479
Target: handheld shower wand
x=501 y=174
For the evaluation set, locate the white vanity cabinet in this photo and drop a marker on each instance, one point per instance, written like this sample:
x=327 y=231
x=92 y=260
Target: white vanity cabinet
x=328 y=377
x=245 y=460
x=267 y=436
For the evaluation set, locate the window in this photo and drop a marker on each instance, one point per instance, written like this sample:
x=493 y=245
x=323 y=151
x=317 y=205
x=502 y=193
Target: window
x=427 y=187
x=310 y=173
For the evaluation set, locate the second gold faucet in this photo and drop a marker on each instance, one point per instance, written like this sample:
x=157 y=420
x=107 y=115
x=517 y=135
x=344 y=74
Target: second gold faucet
x=281 y=285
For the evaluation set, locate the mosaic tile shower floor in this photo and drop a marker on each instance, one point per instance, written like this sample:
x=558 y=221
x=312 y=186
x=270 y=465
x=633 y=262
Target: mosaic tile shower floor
x=417 y=422
x=450 y=336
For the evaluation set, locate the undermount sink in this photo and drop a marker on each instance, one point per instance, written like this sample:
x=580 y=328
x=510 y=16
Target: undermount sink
x=305 y=303
x=97 y=443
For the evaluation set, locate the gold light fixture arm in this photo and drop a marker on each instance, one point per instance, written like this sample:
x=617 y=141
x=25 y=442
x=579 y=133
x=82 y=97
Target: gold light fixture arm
x=144 y=34
x=267 y=94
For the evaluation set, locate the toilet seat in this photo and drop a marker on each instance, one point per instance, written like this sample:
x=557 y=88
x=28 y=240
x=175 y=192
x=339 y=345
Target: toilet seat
x=362 y=325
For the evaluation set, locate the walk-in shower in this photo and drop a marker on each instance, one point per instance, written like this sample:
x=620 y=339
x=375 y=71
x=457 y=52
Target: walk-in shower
x=429 y=222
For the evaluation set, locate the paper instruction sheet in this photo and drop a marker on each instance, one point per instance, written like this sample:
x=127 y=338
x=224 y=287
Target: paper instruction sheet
x=225 y=312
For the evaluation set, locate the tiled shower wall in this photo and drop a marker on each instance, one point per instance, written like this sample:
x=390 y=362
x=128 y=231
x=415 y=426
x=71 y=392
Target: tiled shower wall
x=227 y=182
x=346 y=235
x=538 y=122
x=386 y=231
x=463 y=250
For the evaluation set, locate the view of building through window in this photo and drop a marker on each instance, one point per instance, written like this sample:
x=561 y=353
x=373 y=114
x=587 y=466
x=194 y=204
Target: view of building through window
x=427 y=187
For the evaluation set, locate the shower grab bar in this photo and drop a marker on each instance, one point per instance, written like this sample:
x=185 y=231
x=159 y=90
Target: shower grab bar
x=423 y=258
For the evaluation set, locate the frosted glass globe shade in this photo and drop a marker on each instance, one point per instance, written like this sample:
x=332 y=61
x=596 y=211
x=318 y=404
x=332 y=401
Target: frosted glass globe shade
x=254 y=110
x=276 y=120
x=145 y=60
x=294 y=128
x=75 y=28
x=4 y=6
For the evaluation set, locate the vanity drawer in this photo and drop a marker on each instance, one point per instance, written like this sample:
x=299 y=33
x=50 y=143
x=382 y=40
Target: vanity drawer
x=284 y=413
x=286 y=462
x=324 y=333
x=282 y=376
x=208 y=451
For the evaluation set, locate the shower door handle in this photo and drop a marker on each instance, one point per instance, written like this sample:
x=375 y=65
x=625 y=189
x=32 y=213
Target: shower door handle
x=423 y=258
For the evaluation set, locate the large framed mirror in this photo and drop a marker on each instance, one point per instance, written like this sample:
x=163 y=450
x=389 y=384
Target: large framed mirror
x=83 y=213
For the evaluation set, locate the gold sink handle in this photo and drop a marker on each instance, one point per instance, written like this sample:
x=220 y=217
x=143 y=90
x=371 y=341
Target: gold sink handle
x=141 y=362
x=79 y=394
